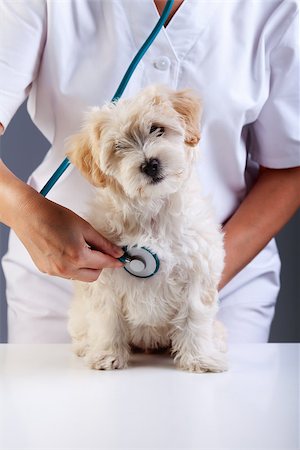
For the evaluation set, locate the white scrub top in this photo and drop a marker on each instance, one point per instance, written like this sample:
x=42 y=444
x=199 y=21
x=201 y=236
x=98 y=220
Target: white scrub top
x=241 y=57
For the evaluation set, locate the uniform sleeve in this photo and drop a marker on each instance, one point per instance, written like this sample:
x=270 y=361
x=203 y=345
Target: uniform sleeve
x=22 y=38
x=277 y=129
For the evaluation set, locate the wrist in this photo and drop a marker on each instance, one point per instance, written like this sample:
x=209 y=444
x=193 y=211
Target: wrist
x=17 y=196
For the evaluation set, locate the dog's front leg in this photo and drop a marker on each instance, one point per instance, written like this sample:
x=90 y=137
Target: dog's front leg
x=107 y=334
x=195 y=334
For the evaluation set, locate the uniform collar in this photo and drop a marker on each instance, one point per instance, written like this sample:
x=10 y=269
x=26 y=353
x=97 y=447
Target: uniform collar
x=184 y=29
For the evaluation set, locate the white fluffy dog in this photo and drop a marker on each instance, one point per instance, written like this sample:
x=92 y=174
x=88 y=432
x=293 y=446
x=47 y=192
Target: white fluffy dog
x=140 y=153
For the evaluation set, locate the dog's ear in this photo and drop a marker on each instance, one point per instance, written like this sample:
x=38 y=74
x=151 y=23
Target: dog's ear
x=83 y=150
x=189 y=107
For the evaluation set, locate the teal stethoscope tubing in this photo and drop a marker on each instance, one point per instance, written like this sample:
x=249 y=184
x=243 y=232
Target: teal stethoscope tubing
x=65 y=164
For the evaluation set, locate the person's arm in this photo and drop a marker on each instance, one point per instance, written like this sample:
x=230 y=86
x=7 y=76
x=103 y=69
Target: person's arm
x=274 y=143
x=267 y=208
x=55 y=237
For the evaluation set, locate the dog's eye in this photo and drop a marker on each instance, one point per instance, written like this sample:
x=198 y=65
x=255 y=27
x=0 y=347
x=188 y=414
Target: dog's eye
x=159 y=131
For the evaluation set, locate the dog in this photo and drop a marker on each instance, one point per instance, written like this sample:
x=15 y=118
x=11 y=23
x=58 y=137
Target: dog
x=141 y=154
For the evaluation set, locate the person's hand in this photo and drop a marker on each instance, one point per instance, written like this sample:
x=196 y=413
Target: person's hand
x=61 y=243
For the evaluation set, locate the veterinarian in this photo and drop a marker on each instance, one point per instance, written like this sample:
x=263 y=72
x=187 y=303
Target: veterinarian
x=241 y=57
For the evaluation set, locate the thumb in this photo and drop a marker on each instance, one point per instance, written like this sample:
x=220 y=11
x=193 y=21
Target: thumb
x=98 y=242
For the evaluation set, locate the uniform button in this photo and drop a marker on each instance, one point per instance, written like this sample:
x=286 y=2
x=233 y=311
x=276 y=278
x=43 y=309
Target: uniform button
x=162 y=63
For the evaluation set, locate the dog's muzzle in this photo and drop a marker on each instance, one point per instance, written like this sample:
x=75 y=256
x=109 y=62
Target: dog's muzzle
x=152 y=168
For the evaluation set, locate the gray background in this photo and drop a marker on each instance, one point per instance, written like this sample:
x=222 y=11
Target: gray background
x=23 y=147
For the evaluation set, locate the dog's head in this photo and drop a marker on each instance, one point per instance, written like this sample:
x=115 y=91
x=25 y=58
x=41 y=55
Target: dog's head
x=143 y=147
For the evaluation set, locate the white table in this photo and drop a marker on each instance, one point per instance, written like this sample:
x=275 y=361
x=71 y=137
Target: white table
x=50 y=400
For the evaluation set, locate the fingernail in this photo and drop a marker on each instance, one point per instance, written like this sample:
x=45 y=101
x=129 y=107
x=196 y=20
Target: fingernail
x=118 y=252
x=119 y=264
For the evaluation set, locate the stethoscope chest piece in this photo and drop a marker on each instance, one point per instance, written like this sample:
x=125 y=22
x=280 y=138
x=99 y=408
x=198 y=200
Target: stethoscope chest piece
x=140 y=261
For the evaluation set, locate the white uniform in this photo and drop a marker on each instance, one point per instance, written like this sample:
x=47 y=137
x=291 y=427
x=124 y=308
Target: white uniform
x=240 y=56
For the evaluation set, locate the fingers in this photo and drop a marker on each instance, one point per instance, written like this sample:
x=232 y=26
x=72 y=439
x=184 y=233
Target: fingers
x=98 y=242
x=83 y=264
x=87 y=275
x=92 y=263
x=95 y=262
x=94 y=259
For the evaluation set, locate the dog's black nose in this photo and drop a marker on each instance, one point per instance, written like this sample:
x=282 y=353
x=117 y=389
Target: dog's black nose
x=151 y=168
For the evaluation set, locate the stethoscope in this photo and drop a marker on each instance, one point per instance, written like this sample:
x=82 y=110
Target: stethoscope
x=139 y=261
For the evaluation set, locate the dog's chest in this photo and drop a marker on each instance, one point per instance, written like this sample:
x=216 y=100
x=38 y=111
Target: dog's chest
x=153 y=301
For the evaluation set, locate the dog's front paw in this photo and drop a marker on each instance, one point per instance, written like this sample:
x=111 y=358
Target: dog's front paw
x=107 y=360
x=214 y=362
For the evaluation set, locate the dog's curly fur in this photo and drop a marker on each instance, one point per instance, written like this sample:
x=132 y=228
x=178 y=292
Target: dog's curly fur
x=177 y=306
